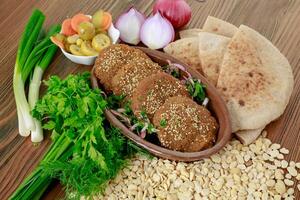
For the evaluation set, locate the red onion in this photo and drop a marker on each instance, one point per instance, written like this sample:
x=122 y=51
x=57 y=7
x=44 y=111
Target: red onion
x=129 y=25
x=178 y=12
x=157 y=32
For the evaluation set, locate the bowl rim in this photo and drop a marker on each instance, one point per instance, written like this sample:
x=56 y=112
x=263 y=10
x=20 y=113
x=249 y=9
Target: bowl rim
x=224 y=126
x=69 y=54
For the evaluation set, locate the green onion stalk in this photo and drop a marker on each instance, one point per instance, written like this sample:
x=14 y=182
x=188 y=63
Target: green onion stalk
x=35 y=83
x=26 y=45
x=30 y=52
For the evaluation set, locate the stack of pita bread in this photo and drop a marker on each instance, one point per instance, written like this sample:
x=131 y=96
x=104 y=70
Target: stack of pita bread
x=253 y=77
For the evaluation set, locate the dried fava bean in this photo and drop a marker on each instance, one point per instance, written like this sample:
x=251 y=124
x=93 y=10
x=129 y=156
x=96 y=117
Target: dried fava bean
x=288 y=176
x=277 y=197
x=280 y=156
x=279 y=174
x=284 y=164
x=270 y=183
x=290 y=191
x=216 y=158
x=275 y=146
x=292 y=171
x=288 y=182
x=298 y=186
x=284 y=151
x=280 y=187
x=233 y=173
x=292 y=164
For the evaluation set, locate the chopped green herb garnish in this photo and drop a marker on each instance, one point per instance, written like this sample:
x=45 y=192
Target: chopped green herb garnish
x=175 y=73
x=163 y=123
x=196 y=90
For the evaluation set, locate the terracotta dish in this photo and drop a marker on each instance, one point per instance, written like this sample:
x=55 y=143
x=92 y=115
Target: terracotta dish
x=216 y=105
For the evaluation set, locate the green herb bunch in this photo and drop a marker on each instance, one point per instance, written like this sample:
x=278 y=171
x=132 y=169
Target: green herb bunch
x=196 y=89
x=86 y=152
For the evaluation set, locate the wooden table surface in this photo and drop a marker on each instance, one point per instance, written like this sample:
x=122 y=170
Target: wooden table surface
x=278 y=20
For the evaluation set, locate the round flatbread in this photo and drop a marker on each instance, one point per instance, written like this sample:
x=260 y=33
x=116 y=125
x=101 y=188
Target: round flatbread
x=218 y=26
x=193 y=32
x=186 y=50
x=255 y=79
x=248 y=136
x=211 y=50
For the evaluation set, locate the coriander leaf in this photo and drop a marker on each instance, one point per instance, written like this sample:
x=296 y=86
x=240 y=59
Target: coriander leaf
x=163 y=123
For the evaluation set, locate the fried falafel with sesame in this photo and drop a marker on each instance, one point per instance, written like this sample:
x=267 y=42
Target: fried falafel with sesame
x=185 y=126
x=113 y=58
x=128 y=77
x=152 y=92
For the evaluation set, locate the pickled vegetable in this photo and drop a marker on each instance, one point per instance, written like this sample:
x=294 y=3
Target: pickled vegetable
x=78 y=19
x=97 y=19
x=86 y=30
x=72 y=39
x=87 y=49
x=98 y=31
x=67 y=47
x=66 y=28
x=59 y=40
x=100 y=41
x=76 y=50
x=101 y=20
x=60 y=37
x=79 y=41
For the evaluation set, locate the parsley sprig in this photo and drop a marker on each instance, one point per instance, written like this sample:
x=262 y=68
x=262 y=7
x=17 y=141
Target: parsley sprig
x=85 y=152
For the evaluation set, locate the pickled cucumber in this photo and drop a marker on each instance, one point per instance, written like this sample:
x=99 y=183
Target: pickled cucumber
x=100 y=41
x=87 y=49
x=72 y=39
x=75 y=50
x=98 y=18
x=86 y=30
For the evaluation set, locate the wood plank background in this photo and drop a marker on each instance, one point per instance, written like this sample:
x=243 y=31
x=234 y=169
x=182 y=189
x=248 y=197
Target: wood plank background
x=278 y=20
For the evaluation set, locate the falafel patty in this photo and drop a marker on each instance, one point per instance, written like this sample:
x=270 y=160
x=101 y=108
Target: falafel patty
x=152 y=92
x=184 y=125
x=128 y=77
x=112 y=58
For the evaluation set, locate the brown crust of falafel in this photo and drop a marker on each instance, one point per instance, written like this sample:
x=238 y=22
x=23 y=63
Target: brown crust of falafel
x=128 y=77
x=111 y=59
x=186 y=126
x=152 y=92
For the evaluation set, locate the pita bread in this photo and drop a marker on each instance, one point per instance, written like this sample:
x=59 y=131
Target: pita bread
x=186 y=50
x=248 y=136
x=218 y=26
x=256 y=80
x=212 y=48
x=190 y=33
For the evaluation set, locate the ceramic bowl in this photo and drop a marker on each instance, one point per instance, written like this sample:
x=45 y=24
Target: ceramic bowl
x=113 y=33
x=216 y=106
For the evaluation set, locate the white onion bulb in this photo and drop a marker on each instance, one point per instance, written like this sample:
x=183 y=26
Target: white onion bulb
x=157 y=32
x=129 y=25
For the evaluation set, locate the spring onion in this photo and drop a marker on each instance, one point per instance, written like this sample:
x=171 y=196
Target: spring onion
x=30 y=52
x=33 y=95
x=26 y=44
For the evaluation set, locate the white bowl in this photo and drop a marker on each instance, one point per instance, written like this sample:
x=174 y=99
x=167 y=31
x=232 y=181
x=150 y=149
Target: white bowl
x=114 y=35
